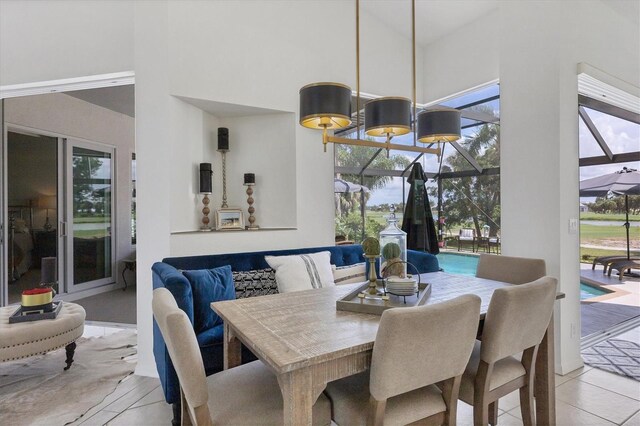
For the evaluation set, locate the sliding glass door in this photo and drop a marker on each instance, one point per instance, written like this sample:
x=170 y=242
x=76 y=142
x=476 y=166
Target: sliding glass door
x=89 y=218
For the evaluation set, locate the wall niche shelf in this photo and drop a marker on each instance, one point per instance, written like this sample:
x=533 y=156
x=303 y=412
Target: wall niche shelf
x=229 y=231
x=261 y=141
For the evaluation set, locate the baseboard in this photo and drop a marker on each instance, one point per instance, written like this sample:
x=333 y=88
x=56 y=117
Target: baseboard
x=567 y=367
x=146 y=370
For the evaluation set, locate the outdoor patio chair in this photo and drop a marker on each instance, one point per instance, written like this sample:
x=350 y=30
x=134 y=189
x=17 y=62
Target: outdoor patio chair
x=606 y=261
x=622 y=266
x=467 y=235
x=494 y=243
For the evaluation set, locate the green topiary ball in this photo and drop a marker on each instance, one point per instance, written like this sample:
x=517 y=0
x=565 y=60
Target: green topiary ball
x=371 y=246
x=391 y=251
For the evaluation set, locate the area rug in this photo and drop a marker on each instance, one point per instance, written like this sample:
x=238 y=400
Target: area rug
x=36 y=390
x=616 y=356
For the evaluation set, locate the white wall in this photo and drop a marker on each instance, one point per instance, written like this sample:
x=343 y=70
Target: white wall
x=262 y=144
x=534 y=47
x=50 y=40
x=541 y=44
x=463 y=59
x=228 y=52
x=65 y=115
x=154 y=140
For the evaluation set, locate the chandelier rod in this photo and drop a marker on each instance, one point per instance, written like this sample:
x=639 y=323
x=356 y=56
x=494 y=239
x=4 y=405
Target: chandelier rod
x=358 y=69
x=413 y=48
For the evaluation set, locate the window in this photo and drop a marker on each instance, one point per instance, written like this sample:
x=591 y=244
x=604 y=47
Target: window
x=468 y=174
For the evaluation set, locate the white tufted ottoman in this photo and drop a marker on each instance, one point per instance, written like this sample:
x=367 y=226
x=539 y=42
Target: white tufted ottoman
x=27 y=339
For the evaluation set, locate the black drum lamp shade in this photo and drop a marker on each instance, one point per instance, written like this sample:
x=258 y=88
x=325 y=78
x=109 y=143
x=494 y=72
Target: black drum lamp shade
x=387 y=116
x=205 y=178
x=249 y=178
x=438 y=125
x=325 y=106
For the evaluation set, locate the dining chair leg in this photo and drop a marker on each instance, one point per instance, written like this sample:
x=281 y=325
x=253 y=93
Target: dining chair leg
x=450 y=393
x=526 y=392
x=185 y=415
x=480 y=414
x=480 y=392
x=526 y=405
x=493 y=413
x=375 y=416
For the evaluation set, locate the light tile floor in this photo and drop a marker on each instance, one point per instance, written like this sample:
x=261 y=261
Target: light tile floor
x=586 y=396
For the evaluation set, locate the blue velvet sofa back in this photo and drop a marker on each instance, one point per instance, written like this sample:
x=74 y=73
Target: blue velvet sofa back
x=168 y=274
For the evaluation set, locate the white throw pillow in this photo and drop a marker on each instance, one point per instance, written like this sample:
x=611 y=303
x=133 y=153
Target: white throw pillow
x=349 y=274
x=302 y=272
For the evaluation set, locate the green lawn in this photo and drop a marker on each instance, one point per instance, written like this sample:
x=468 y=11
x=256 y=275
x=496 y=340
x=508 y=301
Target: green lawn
x=92 y=219
x=611 y=216
x=381 y=217
x=90 y=233
x=613 y=235
x=590 y=232
x=588 y=254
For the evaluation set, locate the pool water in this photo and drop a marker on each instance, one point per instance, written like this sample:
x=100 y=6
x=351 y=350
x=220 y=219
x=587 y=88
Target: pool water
x=458 y=263
x=587 y=291
x=467 y=265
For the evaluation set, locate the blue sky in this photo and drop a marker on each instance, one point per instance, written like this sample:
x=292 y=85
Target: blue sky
x=621 y=136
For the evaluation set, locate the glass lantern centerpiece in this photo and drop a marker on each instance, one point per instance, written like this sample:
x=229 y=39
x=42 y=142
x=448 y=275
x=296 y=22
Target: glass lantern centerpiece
x=393 y=242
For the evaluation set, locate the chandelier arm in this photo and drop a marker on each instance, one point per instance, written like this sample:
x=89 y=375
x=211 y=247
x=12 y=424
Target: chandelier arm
x=378 y=145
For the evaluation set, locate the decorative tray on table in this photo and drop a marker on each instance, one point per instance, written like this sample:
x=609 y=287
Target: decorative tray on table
x=24 y=315
x=359 y=300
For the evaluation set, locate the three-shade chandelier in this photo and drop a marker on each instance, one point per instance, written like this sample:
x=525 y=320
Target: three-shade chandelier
x=327 y=106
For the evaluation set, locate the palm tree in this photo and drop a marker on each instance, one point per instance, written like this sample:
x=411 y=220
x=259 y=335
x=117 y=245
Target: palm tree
x=476 y=198
x=349 y=203
x=359 y=156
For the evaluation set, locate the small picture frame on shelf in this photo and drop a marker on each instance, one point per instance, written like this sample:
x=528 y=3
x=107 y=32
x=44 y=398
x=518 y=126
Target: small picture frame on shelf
x=229 y=219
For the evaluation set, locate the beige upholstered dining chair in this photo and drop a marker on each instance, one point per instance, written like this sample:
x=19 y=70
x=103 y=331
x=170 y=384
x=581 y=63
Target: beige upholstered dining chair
x=414 y=348
x=244 y=395
x=512 y=270
x=516 y=321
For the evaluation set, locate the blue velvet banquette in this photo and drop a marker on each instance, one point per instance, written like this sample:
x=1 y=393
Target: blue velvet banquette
x=168 y=274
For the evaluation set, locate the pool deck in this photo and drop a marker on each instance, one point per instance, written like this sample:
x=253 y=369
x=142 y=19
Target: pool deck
x=602 y=312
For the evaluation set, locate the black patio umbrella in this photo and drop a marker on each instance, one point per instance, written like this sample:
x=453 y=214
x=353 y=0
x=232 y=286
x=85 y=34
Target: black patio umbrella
x=625 y=182
x=417 y=220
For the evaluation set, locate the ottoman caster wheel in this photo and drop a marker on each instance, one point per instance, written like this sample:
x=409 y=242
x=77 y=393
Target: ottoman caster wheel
x=70 y=349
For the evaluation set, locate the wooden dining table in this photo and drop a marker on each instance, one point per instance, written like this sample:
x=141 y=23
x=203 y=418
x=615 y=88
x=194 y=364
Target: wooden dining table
x=308 y=343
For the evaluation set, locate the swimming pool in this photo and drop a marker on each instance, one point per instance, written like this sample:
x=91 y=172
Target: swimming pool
x=466 y=265
x=458 y=263
x=587 y=291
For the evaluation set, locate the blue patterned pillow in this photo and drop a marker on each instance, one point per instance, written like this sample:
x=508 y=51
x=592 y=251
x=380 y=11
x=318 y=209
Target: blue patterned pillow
x=209 y=285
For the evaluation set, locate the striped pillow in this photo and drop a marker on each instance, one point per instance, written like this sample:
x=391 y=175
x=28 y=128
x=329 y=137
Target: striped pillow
x=349 y=274
x=302 y=272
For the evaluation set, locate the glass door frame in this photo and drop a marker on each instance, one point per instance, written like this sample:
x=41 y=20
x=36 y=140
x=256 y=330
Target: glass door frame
x=67 y=225
x=4 y=240
x=4 y=205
